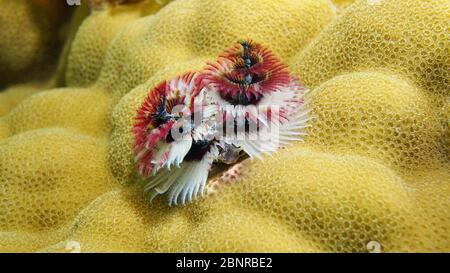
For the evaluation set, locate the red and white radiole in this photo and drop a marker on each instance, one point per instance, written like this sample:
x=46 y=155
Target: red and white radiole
x=246 y=101
x=255 y=91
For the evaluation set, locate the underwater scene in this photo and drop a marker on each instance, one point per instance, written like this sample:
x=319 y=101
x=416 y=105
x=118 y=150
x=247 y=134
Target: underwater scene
x=232 y=126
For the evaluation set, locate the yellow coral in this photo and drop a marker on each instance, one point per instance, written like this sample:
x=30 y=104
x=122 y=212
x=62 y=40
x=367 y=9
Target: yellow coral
x=375 y=166
x=343 y=3
x=61 y=108
x=91 y=42
x=407 y=38
x=55 y=190
x=10 y=97
x=29 y=38
x=379 y=116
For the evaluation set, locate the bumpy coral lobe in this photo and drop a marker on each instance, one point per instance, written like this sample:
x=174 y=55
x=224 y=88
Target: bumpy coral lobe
x=30 y=39
x=101 y=4
x=375 y=166
x=244 y=73
x=154 y=119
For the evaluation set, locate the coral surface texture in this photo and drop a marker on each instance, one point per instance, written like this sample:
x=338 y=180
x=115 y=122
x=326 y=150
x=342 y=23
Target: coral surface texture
x=373 y=172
